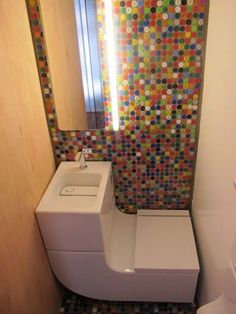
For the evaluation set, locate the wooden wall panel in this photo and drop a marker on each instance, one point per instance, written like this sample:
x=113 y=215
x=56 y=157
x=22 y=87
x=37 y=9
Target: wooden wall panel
x=27 y=285
x=64 y=62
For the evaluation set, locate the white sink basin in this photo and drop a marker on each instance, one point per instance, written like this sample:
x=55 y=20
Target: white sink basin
x=76 y=206
x=76 y=190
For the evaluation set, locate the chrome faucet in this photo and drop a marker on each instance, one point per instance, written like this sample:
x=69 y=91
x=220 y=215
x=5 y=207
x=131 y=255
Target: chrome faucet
x=80 y=157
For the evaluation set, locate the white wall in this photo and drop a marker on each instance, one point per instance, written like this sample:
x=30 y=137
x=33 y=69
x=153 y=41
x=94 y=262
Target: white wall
x=214 y=202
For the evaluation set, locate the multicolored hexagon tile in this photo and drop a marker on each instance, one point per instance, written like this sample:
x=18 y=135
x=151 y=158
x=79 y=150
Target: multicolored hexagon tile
x=159 y=73
x=75 y=304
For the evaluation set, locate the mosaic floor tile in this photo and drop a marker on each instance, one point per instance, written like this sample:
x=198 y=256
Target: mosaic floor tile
x=75 y=304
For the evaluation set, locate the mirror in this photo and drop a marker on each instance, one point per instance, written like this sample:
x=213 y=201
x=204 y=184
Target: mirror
x=70 y=28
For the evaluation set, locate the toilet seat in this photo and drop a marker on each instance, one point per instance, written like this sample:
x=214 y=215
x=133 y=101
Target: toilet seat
x=164 y=242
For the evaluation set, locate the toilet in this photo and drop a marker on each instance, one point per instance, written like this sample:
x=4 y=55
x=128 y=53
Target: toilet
x=100 y=252
x=226 y=303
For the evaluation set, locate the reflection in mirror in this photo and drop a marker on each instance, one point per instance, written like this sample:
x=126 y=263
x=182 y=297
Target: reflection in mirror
x=70 y=28
x=86 y=20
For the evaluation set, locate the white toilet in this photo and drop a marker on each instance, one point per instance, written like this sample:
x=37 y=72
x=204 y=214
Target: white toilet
x=100 y=252
x=226 y=303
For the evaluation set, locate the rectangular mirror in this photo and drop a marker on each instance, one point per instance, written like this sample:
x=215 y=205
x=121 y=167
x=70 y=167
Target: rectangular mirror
x=70 y=28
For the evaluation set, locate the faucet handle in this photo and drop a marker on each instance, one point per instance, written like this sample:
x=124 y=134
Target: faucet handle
x=82 y=153
x=78 y=156
x=87 y=151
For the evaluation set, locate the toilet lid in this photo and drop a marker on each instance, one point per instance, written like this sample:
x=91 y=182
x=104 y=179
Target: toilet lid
x=165 y=243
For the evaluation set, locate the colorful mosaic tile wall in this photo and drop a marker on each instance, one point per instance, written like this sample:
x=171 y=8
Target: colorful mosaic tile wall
x=160 y=55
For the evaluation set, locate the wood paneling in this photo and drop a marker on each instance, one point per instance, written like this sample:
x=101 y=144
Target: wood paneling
x=63 y=56
x=26 y=282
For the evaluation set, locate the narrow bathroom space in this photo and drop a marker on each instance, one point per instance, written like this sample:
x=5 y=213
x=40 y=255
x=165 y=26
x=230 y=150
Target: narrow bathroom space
x=118 y=172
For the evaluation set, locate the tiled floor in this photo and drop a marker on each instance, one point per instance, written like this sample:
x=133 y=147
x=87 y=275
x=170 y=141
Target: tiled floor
x=73 y=303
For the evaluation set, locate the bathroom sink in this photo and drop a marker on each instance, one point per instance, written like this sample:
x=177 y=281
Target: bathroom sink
x=78 y=184
x=76 y=190
x=75 y=199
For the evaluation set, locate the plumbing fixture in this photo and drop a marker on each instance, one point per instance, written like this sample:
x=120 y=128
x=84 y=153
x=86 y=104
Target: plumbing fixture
x=80 y=157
